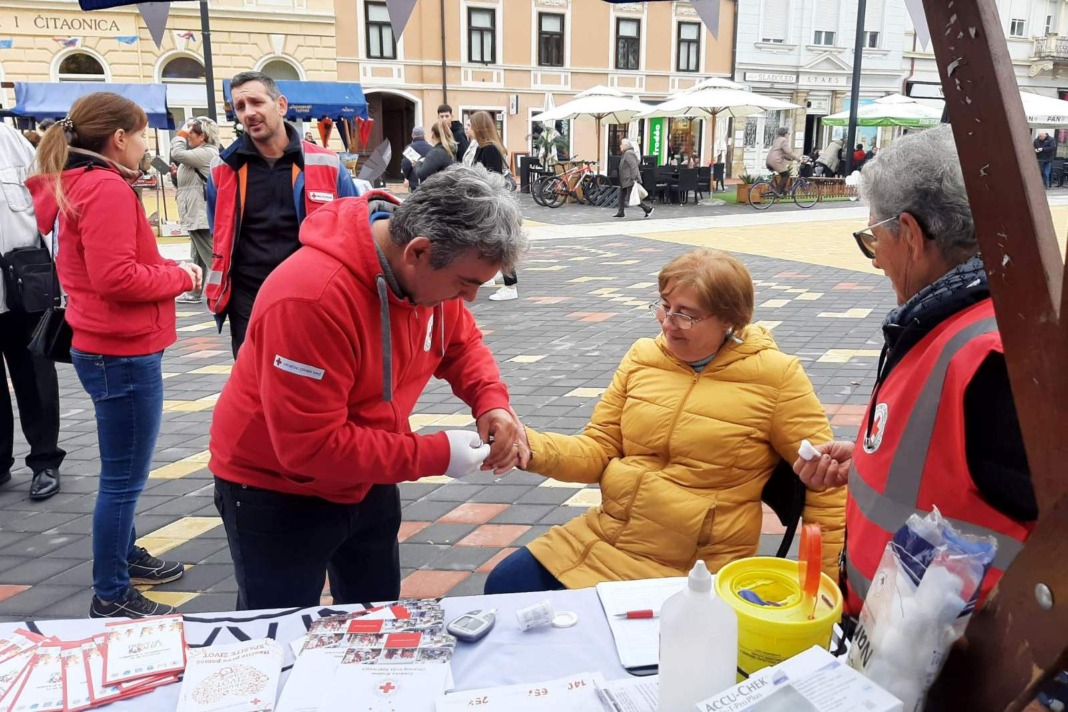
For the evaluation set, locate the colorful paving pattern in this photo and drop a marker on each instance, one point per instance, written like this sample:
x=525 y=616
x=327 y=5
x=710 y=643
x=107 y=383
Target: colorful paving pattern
x=582 y=305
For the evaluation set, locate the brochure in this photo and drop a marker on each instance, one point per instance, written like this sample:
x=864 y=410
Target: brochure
x=232 y=678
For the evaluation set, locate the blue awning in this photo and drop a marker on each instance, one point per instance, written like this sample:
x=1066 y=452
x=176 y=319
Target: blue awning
x=52 y=100
x=314 y=100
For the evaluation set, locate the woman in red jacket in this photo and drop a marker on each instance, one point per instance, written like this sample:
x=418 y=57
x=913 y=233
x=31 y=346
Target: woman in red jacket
x=121 y=309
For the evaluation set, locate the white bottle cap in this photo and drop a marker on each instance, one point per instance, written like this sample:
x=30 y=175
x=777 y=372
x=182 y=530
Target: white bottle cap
x=700 y=579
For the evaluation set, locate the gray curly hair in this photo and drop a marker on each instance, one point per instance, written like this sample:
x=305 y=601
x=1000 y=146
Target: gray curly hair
x=920 y=174
x=208 y=129
x=459 y=209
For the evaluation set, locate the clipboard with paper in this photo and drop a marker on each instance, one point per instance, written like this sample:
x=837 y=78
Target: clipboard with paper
x=637 y=640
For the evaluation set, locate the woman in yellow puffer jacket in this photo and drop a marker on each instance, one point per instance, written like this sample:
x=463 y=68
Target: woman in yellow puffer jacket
x=682 y=443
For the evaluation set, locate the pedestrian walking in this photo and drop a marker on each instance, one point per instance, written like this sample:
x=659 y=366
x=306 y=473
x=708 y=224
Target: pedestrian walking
x=32 y=377
x=260 y=190
x=310 y=435
x=193 y=149
x=629 y=176
x=442 y=154
x=413 y=155
x=457 y=129
x=1045 y=151
x=121 y=310
x=493 y=156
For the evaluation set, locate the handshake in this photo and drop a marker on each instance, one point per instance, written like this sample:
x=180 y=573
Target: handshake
x=499 y=444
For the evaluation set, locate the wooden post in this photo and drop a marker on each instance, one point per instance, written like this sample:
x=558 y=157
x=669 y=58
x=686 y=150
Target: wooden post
x=1015 y=642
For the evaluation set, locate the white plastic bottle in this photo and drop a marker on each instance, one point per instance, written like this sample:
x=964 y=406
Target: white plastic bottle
x=698 y=644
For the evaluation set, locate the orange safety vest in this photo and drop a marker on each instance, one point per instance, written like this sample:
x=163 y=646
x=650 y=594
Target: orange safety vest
x=318 y=183
x=915 y=457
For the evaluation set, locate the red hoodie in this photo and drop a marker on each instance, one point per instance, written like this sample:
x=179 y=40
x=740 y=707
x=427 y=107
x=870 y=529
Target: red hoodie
x=313 y=407
x=120 y=291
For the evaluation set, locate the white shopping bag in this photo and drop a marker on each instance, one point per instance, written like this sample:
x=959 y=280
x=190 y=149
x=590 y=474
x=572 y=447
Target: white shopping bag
x=637 y=194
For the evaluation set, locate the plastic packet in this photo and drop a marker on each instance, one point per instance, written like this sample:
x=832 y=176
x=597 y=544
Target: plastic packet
x=919 y=603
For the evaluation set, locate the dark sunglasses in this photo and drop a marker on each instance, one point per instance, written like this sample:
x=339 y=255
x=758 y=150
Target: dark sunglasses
x=866 y=238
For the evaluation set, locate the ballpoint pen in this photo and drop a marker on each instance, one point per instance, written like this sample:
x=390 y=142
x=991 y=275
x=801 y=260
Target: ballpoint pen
x=644 y=613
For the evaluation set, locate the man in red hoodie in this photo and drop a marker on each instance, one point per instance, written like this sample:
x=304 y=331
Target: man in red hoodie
x=311 y=434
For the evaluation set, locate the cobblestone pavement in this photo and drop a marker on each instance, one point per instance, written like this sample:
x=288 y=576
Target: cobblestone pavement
x=582 y=305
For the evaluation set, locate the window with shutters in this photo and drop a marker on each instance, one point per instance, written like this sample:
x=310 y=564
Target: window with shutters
x=825 y=23
x=774 y=21
x=1049 y=25
x=1017 y=27
x=688 y=48
x=873 y=17
x=628 y=43
x=379 y=32
x=481 y=35
x=550 y=39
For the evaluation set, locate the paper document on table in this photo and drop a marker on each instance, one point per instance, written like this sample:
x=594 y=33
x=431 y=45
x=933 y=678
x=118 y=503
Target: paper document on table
x=575 y=693
x=635 y=694
x=637 y=641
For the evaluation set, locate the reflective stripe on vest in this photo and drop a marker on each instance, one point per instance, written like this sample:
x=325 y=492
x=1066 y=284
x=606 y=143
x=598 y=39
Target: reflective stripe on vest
x=889 y=510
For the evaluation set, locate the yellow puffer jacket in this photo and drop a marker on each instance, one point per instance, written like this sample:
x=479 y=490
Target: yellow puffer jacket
x=682 y=459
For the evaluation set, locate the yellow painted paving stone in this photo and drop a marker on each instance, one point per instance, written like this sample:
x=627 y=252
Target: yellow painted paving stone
x=436 y=480
x=796 y=291
x=637 y=303
x=169 y=598
x=585 y=393
x=855 y=313
x=167 y=375
x=203 y=326
x=585 y=498
x=580 y=280
x=221 y=369
x=557 y=268
x=580 y=258
x=183 y=314
x=642 y=285
x=181 y=468
x=529 y=358
x=422 y=420
x=809 y=296
x=562 y=485
x=844 y=355
x=774 y=303
x=193 y=406
x=769 y=325
x=527 y=222
x=177 y=533
x=604 y=291
x=623 y=262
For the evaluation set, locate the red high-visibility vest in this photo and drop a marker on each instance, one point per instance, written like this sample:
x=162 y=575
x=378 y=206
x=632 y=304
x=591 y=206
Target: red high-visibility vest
x=319 y=183
x=915 y=458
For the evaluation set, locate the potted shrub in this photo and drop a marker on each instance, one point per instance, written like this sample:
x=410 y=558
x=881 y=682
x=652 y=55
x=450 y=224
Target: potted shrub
x=747 y=179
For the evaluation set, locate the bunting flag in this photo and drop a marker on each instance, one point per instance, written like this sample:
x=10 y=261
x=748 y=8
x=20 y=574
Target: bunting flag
x=67 y=41
x=7 y=44
x=155 y=17
x=127 y=39
x=708 y=11
x=399 y=12
x=919 y=21
x=188 y=35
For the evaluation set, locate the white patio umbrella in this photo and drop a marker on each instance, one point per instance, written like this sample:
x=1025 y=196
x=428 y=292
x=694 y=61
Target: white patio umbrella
x=713 y=102
x=1044 y=111
x=599 y=103
x=893 y=110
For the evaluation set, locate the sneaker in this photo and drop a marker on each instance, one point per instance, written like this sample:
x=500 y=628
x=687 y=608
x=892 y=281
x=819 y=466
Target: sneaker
x=493 y=281
x=132 y=605
x=147 y=569
x=188 y=298
x=505 y=294
x=619 y=215
x=649 y=212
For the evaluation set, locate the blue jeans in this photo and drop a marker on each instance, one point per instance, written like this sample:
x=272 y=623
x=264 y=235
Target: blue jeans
x=520 y=573
x=127 y=394
x=1047 y=173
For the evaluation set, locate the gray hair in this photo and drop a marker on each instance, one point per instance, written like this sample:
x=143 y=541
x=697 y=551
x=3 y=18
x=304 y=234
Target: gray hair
x=208 y=128
x=269 y=84
x=627 y=141
x=782 y=131
x=459 y=209
x=920 y=174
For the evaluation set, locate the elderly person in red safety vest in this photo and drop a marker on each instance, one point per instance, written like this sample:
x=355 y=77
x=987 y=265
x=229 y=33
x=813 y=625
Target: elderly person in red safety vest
x=941 y=428
x=259 y=192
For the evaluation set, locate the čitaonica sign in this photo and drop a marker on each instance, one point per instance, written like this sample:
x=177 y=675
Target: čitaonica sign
x=85 y=24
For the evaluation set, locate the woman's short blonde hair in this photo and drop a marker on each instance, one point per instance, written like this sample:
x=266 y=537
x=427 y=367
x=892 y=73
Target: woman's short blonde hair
x=723 y=285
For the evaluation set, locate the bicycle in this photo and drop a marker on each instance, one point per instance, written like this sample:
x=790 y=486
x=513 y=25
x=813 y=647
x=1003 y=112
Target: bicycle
x=804 y=192
x=579 y=182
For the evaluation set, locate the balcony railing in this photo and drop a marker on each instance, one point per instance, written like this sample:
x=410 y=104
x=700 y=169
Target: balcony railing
x=1051 y=47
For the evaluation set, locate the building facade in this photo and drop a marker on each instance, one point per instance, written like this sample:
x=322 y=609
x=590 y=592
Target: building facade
x=54 y=40
x=802 y=51
x=512 y=57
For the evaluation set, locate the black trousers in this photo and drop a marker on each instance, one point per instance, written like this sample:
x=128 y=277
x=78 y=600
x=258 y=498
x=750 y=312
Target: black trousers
x=37 y=394
x=624 y=198
x=239 y=311
x=283 y=546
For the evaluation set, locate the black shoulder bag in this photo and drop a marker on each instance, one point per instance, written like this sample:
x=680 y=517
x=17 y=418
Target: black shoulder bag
x=52 y=337
x=28 y=278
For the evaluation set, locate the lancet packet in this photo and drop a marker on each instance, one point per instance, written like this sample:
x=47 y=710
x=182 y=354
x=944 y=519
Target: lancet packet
x=919 y=603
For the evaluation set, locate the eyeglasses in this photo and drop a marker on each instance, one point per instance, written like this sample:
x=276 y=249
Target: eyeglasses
x=683 y=321
x=866 y=239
